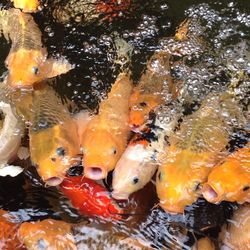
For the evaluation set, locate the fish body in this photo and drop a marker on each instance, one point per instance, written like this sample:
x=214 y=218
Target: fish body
x=204 y=243
x=54 y=140
x=155 y=84
x=27 y=61
x=134 y=169
x=87 y=11
x=26 y=5
x=90 y=198
x=235 y=235
x=46 y=234
x=106 y=135
x=8 y=233
x=194 y=150
x=230 y=180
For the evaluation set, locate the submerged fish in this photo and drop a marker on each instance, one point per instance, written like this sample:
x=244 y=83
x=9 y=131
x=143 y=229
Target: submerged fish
x=8 y=233
x=139 y=161
x=54 y=140
x=47 y=234
x=87 y=11
x=155 y=85
x=27 y=61
x=235 y=235
x=230 y=180
x=11 y=133
x=26 y=5
x=90 y=198
x=197 y=147
x=107 y=133
x=204 y=244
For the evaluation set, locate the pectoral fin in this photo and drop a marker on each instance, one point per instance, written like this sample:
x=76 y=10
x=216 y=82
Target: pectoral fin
x=58 y=67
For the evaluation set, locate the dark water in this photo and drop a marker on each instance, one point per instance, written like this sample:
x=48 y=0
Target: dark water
x=91 y=48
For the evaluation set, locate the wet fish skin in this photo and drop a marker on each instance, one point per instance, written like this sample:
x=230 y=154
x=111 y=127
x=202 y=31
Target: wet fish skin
x=47 y=234
x=230 y=179
x=235 y=234
x=27 y=60
x=54 y=141
x=26 y=5
x=90 y=198
x=106 y=135
x=194 y=150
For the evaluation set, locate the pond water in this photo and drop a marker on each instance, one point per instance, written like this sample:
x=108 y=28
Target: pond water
x=91 y=48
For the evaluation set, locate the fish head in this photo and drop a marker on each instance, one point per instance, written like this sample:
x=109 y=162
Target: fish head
x=229 y=181
x=133 y=171
x=54 y=151
x=27 y=67
x=101 y=152
x=141 y=105
x=179 y=179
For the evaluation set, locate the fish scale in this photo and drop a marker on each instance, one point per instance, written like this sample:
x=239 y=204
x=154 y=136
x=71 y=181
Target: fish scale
x=21 y=29
x=48 y=110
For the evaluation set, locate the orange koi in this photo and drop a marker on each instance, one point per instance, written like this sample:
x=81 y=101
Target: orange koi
x=230 y=180
x=26 y=5
x=8 y=233
x=150 y=91
x=194 y=150
x=90 y=198
x=54 y=140
x=27 y=61
x=236 y=235
x=106 y=135
x=47 y=234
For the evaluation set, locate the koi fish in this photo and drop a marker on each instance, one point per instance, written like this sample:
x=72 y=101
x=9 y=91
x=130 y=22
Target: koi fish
x=149 y=93
x=236 y=235
x=27 y=61
x=47 y=234
x=138 y=163
x=26 y=5
x=194 y=149
x=203 y=243
x=230 y=180
x=8 y=233
x=89 y=197
x=54 y=140
x=11 y=133
x=134 y=169
x=87 y=11
x=106 y=135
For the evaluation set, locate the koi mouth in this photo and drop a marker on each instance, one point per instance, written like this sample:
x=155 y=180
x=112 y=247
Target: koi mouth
x=53 y=181
x=95 y=173
x=209 y=193
x=119 y=195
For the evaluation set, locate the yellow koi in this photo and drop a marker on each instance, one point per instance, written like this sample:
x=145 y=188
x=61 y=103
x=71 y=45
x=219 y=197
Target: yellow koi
x=107 y=133
x=194 y=150
x=27 y=61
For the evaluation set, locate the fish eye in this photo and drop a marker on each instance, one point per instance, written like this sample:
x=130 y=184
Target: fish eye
x=53 y=159
x=160 y=176
x=143 y=104
x=114 y=151
x=246 y=188
x=197 y=186
x=135 y=180
x=60 y=151
x=35 y=70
